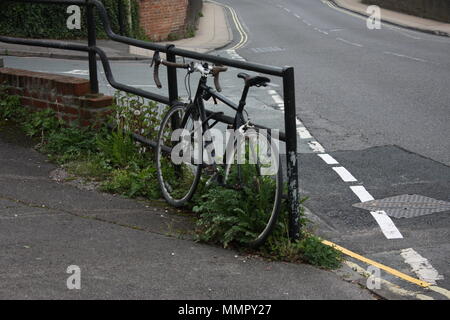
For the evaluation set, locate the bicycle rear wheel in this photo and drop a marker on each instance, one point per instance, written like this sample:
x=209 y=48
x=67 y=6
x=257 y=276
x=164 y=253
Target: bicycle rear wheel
x=177 y=172
x=254 y=171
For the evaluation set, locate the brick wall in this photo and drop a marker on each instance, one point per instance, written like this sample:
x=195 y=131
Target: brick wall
x=161 y=18
x=432 y=9
x=69 y=96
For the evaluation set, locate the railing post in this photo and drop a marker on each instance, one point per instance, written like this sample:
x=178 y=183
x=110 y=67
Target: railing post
x=172 y=81
x=92 y=42
x=291 y=151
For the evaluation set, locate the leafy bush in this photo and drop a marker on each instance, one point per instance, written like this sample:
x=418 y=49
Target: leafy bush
x=118 y=148
x=30 y=20
x=10 y=108
x=70 y=143
x=137 y=115
x=224 y=219
x=41 y=123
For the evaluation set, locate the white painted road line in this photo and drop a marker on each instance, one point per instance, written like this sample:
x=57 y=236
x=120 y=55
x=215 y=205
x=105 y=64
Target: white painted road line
x=316 y=147
x=350 y=43
x=421 y=266
x=388 y=227
x=404 y=56
x=345 y=175
x=362 y=193
x=321 y=31
x=303 y=133
x=78 y=72
x=278 y=100
x=328 y=159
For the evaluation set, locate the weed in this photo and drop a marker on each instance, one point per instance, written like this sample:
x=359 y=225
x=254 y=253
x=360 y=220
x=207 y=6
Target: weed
x=118 y=148
x=91 y=167
x=10 y=108
x=69 y=143
x=133 y=182
x=190 y=32
x=41 y=123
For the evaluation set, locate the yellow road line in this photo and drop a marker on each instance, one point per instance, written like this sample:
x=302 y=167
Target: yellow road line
x=240 y=29
x=392 y=271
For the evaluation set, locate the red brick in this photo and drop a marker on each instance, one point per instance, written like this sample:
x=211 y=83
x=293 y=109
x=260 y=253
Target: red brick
x=96 y=102
x=39 y=104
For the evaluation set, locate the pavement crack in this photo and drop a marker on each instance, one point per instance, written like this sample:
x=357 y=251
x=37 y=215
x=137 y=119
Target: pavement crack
x=169 y=233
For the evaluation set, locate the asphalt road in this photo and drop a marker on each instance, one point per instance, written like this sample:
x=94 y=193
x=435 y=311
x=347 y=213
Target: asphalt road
x=378 y=102
x=356 y=87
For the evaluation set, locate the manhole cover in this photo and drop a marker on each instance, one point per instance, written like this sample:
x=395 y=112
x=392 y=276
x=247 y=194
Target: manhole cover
x=406 y=206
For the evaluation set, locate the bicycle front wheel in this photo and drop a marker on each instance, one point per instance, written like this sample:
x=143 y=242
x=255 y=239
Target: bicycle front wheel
x=254 y=171
x=177 y=171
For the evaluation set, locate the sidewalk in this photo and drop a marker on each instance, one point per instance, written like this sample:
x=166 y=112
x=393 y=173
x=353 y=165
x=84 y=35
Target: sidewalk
x=398 y=18
x=126 y=249
x=213 y=32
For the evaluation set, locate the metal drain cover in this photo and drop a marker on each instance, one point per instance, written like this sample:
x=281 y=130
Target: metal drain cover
x=405 y=206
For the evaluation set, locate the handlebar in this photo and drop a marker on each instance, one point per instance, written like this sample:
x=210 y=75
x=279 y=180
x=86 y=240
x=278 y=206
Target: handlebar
x=157 y=61
x=215 y=72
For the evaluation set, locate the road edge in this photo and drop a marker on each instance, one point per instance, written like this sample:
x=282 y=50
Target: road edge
x=388 y=21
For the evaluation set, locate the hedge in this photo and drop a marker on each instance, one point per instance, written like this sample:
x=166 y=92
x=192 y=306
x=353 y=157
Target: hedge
x=48 y=21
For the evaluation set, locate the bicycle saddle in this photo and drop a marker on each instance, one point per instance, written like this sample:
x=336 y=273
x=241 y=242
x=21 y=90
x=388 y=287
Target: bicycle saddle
x=253 y=81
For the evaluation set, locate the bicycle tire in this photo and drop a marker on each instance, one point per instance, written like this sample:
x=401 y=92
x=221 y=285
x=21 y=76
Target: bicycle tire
x=264 y=231
x=162 y=159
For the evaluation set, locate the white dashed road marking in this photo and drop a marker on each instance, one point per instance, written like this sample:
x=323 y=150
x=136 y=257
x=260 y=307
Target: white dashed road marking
x=303 y=133
x=328 y=159
x=387 y=226
x=362 y=193
x=350 y=43
x=345 y=175
x=404 y=56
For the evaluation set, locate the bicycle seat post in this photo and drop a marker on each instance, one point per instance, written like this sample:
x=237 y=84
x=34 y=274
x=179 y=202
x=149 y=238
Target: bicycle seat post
x=242 y=102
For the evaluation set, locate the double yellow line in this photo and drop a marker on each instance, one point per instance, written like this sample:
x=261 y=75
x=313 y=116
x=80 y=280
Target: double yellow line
x=243 y=35
x=392 y=271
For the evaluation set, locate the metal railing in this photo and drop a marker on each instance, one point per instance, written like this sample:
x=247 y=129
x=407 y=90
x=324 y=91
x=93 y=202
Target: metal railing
x=286 y=73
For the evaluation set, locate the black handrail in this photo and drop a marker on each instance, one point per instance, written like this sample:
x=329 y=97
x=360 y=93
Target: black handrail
x=287 y=73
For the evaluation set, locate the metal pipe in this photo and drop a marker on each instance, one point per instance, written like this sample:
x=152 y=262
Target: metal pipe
x=291 y=152
x=92 y=43
x=172 y=80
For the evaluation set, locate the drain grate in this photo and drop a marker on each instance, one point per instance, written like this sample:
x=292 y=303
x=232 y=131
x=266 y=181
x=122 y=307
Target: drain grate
x=405 y=206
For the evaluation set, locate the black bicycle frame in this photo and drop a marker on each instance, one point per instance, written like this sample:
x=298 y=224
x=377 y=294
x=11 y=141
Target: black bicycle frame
x=205 y=90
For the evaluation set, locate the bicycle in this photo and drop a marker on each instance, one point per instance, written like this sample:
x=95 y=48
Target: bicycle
x=187 y=124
